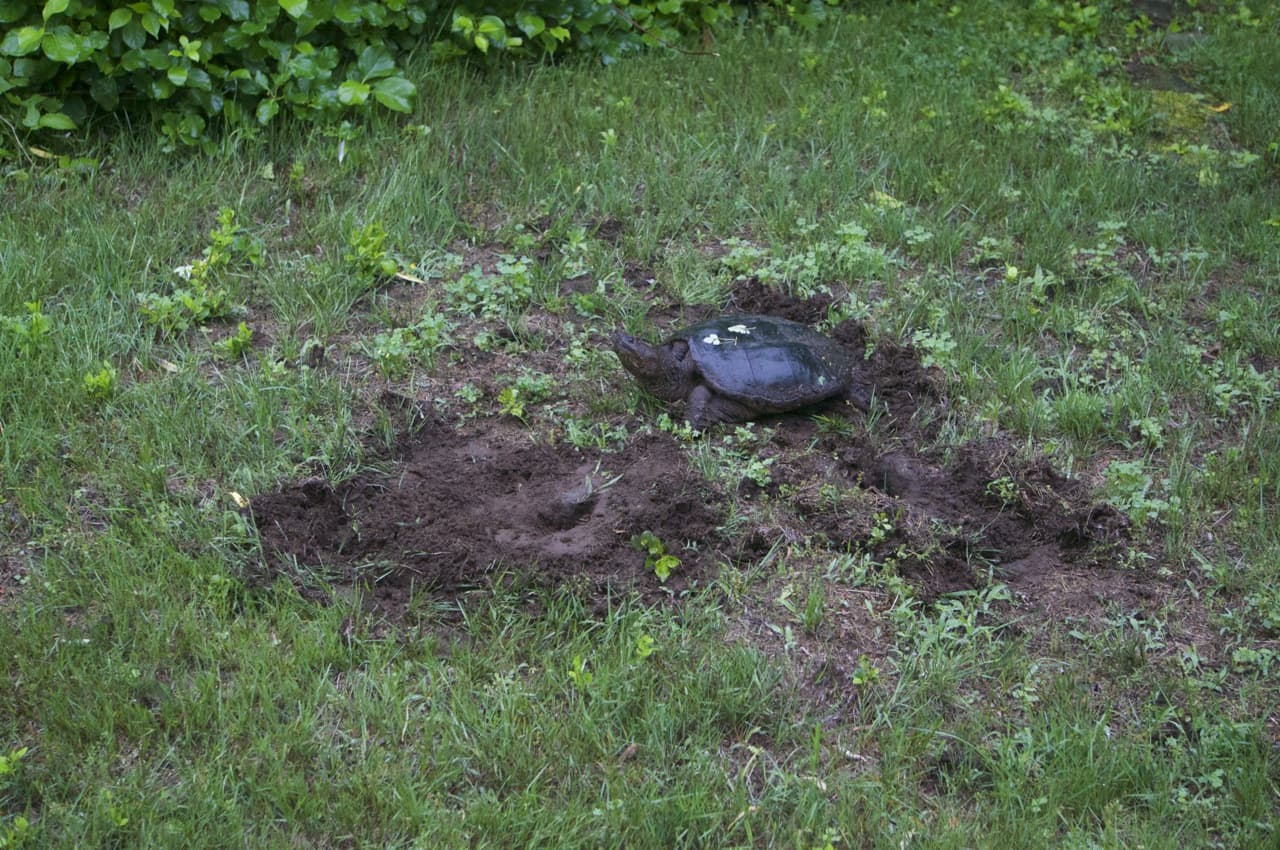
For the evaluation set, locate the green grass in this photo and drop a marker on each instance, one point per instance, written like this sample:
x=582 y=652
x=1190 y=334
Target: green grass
x=1130 y=317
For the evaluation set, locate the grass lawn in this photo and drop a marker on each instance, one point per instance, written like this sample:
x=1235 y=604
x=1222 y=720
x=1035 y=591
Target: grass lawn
x=328 y=518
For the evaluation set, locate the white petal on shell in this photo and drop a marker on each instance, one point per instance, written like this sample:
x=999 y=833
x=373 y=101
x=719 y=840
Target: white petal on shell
x=711 y=339
x=740 y=329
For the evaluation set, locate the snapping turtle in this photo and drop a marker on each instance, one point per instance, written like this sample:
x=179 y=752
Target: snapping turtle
x=736 y=368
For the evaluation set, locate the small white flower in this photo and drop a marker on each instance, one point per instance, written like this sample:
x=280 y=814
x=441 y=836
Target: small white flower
x=183 y=272
x=740 y=329
x=711 y=339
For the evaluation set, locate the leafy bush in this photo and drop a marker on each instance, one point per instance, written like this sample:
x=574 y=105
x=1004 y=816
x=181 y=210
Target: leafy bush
x=238 y=60
x=244 y=63
x=546 y=26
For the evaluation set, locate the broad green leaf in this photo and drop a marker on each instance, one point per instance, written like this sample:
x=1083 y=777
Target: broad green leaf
x=119 y=18
x=395 y=93
x=530 y=24
x=133 y=35
x=492 y=25
x=294 y=8
x=21 y=41
x=664 y=565
x=482 y=42
x=353 y=93
x=133 y=60
x=267 y=109
x=56 y=121
x=12 y=10
x=160 y=89
x=347 y=11
x=463 y=24
x=375 y=61
x=156 y=58
x=105 y=92
x=55 y=7
x=559 y=33
x=61 y=45
x=177 y=75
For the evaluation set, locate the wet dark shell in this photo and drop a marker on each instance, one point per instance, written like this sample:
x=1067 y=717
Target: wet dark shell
x=767 y=362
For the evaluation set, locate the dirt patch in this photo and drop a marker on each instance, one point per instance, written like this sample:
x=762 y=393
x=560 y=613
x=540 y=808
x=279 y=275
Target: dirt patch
x=984 y=515
x=13 y=554
x=753 y=296
x=13 y=572
x=844 y=512
x=461 y=505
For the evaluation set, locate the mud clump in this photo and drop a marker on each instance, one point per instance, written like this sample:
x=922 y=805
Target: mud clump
x=461 y=505
x=753 y=296
x=946 y=525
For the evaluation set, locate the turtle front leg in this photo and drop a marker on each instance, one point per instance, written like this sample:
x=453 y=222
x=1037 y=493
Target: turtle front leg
x=706 y=408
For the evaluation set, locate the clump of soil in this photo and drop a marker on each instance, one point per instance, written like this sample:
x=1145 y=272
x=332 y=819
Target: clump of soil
x=752 y=296
x=985 y=511
x=461 y=504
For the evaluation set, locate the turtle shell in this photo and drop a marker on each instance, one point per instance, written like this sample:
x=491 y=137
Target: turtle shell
x=767 y=362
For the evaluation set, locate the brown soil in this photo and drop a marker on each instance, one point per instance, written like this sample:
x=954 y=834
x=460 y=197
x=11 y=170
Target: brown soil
x=460 y=505
x=13 y=557
x=12 y=573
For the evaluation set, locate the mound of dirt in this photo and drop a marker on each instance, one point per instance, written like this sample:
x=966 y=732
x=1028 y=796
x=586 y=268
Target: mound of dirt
x=753 y=296
x=945 y=525
x=985 y=510
x=462 y=504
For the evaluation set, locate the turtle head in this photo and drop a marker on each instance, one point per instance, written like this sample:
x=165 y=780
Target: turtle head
x=663 y=370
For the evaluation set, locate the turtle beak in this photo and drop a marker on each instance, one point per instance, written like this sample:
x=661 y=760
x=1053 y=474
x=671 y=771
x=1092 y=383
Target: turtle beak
x=636 y=355
x=624 y=344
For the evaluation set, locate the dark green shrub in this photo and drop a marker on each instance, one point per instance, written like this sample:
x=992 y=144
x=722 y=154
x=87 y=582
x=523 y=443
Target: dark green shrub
x=194 y=61
x=240 y=61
